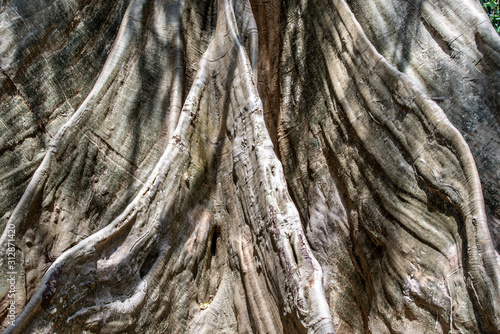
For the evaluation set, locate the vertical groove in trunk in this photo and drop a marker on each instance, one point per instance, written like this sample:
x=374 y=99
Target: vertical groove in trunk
x=262 y=166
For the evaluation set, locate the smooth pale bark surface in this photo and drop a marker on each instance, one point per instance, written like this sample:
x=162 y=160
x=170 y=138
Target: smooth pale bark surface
x=193 y=166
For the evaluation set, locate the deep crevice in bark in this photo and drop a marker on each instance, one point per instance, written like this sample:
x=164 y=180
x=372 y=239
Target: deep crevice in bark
x=302 y=182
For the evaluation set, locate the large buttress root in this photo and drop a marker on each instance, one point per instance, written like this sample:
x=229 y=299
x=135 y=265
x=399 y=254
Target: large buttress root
x=394 y=183
x=123 y=273
x=453 y=53
x=160 y=205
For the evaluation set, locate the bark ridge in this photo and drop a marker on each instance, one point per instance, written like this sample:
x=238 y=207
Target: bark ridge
x=240 y=169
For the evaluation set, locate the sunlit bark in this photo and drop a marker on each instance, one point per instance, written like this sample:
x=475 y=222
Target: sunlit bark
x=232 y=166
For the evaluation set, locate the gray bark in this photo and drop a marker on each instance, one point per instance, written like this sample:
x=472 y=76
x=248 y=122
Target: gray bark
x=241 y=166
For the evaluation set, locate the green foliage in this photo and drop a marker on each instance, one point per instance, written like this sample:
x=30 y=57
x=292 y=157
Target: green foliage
x=492 y=8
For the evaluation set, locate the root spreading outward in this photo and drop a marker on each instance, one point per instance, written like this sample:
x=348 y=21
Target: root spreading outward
x=174 y=199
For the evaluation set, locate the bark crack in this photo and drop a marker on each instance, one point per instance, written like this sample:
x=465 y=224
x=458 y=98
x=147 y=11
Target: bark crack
x=41 y=123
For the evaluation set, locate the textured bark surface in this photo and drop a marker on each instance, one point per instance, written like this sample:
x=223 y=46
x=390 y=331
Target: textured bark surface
x=238 y=166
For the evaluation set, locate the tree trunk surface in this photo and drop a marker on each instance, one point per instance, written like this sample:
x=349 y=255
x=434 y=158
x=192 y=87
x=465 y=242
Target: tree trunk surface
x=236 y=166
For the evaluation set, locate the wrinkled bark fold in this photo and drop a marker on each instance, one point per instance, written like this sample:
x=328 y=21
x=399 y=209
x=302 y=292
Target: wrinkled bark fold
x=236 y=166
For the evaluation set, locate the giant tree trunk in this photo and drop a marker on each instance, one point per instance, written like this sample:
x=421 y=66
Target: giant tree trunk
x=187 y=166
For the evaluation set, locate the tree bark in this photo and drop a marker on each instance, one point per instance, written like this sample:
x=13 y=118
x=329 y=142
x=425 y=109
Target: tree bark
x=189 y=166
